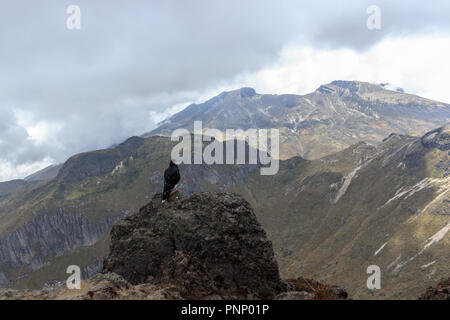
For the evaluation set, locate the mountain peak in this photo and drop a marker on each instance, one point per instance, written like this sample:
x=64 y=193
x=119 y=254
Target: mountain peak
x=353 y=87
x=244 y=92
x=346 y=84
x=247 y=92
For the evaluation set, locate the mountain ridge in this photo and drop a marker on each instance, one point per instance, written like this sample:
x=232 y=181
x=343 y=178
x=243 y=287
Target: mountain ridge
x=331 y=118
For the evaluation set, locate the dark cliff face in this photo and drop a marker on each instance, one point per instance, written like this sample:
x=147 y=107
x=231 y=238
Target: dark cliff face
x=207 y=243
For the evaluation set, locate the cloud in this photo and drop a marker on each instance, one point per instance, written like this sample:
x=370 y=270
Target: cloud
x=416 y=64
x=134 y=63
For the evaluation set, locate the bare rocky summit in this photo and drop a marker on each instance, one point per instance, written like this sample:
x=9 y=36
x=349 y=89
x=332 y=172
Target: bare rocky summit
x=209 y=243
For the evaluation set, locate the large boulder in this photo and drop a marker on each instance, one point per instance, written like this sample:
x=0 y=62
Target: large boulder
x=440 y=292
x=207 y=244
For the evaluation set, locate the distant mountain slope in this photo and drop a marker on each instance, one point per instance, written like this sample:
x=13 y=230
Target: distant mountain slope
x=45 y=174
x=12 y=186
x=328 y=120
x=328 y=218
x=38 y=178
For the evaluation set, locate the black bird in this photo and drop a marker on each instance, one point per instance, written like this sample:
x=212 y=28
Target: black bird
x=171 y=178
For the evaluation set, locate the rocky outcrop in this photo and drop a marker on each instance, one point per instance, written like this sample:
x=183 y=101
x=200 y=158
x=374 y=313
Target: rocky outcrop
x=206 y=243
x=440 y=292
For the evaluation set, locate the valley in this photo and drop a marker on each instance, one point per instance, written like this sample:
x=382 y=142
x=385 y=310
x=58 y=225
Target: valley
x=351 y=205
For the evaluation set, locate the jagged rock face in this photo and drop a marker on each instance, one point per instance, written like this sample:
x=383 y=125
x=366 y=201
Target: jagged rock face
x=440 y=292
x=206 y=243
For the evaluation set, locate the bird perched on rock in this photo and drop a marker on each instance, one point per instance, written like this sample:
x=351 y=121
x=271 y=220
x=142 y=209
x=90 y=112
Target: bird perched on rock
x=171 y=178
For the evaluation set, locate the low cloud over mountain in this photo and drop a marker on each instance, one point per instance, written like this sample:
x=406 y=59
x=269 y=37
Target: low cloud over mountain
x=130 y=65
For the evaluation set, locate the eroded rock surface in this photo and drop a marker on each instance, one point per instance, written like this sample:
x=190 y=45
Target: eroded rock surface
x=207 y=243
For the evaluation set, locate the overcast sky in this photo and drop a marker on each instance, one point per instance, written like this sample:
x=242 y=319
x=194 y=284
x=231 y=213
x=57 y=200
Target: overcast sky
x=133 y=63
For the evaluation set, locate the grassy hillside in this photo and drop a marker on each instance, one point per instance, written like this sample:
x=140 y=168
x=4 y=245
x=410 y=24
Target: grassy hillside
x=328 y=218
